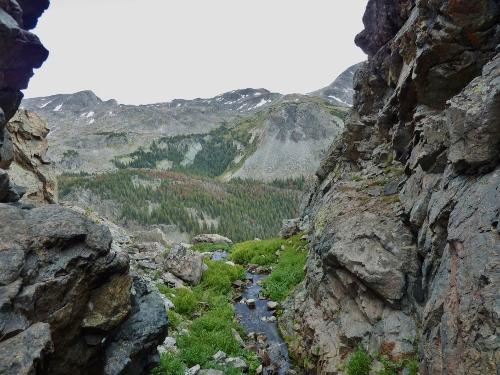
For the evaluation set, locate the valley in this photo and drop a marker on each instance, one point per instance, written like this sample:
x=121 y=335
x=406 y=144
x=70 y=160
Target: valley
x=235 y=164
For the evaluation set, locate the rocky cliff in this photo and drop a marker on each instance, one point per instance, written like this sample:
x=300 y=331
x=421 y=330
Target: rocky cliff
x=21 y=53
x=68 y=300
x=31 y=169
x=403 y=213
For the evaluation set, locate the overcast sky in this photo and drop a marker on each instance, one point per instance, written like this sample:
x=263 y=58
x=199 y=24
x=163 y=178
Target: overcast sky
x=146 y=51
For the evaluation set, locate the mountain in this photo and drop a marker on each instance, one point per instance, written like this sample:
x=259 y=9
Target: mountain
x=257 y=133
x=86 y=133
x=341 y=90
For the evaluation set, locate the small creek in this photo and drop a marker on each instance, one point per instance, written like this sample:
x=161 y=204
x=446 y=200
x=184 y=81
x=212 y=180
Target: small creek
x=256 y=320
x=252 y=321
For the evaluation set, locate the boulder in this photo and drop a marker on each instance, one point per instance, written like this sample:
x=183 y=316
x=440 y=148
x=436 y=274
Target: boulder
x=237 y=363
x=290 y=227
x=184 y=263
x=211 y=238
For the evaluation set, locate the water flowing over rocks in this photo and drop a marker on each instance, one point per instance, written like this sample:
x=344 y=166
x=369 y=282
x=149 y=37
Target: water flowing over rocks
x=403 y=213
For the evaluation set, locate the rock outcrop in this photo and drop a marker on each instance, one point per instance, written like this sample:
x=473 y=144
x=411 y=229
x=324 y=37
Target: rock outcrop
x=403 y=213
x=21 y=52
x=30 y=168
x=65 y=291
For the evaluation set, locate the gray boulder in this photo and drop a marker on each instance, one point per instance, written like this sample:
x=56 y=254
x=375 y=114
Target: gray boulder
x=184 y=263
x=211 y=238
x=290 y=227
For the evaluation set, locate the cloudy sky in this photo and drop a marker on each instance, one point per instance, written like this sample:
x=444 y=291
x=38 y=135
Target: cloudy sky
x=146 y=51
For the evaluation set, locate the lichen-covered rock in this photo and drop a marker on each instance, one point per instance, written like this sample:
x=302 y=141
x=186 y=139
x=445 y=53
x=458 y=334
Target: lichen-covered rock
x=184 y=263
x=404 y=210
x=30 y=169
x=290 y=227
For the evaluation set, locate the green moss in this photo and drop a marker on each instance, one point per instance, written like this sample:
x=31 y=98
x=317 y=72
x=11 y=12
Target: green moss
x=170 y=364
x=359 y=363
x=257 y=252
x=219 y=276
x=395 y=367
x=211 y=329
x=288 y=272
x=185 y=301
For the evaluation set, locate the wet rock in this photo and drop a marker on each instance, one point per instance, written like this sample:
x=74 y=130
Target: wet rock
x=184 y=263
x=271 y=305
x=264 y=358
x=250 y=303
x=290 y=227
x=261 y=339
x=211 y=238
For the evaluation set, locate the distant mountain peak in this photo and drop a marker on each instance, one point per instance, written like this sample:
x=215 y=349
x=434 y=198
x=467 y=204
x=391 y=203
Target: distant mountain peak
x=340 y=91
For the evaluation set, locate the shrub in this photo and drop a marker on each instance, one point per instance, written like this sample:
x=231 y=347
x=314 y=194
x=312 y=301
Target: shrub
x=170 y=364
x=286 y=274
x=359 y=362
x=185 y=301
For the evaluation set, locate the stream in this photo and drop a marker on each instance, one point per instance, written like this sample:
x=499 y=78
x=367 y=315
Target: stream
x=259 y=322
x=252 y=321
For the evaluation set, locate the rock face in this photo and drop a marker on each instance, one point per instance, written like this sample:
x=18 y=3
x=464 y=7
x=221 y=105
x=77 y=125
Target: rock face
x=403 y=213
x=30 y=168
x=21 y=52
x=66 y=292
